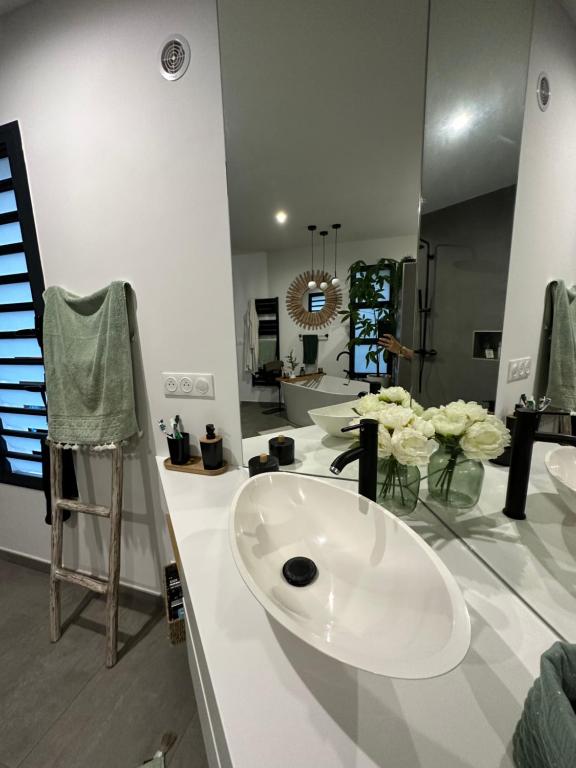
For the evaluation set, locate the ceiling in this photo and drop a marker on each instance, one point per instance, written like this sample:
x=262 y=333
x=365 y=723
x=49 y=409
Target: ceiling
x=323 y=107
x=324 y=102
x=9 y=5
x=477 y=69
x=570 y=6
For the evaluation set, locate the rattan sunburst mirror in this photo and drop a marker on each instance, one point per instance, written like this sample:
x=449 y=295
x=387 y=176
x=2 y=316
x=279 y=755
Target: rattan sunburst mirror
x=296 y=297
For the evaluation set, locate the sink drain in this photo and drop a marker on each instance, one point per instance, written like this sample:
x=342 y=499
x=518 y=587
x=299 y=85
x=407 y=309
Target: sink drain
x=299 y=571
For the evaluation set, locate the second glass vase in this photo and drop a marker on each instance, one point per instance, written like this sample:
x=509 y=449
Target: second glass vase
x=453 y=479
x=398 y=486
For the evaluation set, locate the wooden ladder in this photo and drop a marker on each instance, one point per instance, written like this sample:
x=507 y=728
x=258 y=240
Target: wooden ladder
x=58 y=573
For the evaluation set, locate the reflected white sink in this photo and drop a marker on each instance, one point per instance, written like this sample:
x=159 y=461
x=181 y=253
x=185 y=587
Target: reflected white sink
x=382 y=600
x=332 y=418
x=561 y=465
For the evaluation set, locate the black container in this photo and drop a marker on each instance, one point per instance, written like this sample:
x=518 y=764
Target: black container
x=282 y=448
x=263 y=463
x=179 y=448
x=211 y=447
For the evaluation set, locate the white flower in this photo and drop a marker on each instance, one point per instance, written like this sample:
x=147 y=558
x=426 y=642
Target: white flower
x=424 y=426
x=485 y=439
x=417 y=408
x=411 y=447
x=384 y=443
x=400 y=396
x=472 y=410
x=450 y=423
x=396 y=395
x=429 y=413
x=368 y=405
x=394 y=416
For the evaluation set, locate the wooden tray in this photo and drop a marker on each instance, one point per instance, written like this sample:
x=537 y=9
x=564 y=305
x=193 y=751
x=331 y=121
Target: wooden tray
x=195 y=465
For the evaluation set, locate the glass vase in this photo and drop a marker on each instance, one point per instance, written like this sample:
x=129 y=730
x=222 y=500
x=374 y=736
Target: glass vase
x=398 y=486
x=453 y=479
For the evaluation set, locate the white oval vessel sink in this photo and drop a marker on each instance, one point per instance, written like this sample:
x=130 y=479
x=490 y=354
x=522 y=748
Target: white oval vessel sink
x=561 y=465
x=332 y=418
x=381 y=601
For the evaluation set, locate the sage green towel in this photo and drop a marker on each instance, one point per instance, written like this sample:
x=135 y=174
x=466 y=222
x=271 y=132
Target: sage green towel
x=562 y=371
x=545 y=737
x=88 y=364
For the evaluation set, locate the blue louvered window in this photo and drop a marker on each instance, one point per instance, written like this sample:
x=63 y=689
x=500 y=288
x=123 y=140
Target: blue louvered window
x=23 y=419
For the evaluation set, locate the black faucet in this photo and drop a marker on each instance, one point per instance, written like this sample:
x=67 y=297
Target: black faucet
x=344 y=352
x=524 y=435
x=367 y=455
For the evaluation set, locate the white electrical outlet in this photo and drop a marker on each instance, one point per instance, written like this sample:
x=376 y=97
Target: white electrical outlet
x=188 y=385
x=519 y=369
x=170 y=384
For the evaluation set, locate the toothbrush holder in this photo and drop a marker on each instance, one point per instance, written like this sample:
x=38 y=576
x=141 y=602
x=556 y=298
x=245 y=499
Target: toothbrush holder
x=179 y=448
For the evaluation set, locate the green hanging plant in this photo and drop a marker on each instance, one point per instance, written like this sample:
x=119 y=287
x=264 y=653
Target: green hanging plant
x=366 y=285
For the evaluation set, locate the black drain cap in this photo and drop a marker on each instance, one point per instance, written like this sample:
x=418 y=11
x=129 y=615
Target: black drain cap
x=299 y=571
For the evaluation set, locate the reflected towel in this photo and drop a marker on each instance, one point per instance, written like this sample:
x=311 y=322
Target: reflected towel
x=562 y=370
x=310 y=345
x=545 y=737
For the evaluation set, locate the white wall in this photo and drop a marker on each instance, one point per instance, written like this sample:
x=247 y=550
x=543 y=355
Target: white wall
x=250 y=280
x=284 y=266
x=544 y=236
x=259 y=275
x=127 y=177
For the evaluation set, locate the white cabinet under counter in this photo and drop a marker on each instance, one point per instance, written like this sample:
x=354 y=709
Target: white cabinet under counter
x=268 y=700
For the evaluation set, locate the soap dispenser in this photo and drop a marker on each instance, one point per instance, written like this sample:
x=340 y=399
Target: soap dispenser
x=211 y=447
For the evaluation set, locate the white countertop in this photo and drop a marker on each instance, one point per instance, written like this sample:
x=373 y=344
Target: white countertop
x=313 y=454
x=281 y=704
x=536 y=556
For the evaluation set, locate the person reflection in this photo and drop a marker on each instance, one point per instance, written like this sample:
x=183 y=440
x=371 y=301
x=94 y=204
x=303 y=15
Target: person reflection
x=392 y=345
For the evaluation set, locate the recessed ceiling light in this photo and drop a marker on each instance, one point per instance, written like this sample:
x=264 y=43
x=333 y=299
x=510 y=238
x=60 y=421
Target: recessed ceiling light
x=459 y=122
x=281 y=217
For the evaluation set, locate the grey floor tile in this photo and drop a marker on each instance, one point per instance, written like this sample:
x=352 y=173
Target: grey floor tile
x=38 y=680
x=189 y=750
x=121 y=714
x=59 y=705
x=254 y=418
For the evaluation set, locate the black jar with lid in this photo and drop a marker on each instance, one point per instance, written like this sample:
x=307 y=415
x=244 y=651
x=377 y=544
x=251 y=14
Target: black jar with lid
x=283 y=448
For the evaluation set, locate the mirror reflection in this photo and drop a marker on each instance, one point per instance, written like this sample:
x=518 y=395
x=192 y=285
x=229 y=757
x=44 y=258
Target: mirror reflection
x=324 y=131
x=413 y=177
x=475 y=89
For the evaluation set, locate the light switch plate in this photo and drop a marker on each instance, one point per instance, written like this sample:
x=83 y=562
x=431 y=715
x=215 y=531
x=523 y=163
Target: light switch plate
x=198 y=385
x=519 y=368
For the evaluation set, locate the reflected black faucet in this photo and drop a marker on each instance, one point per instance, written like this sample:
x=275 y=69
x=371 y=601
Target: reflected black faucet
x=367 y=455
x=338 y=356
x=524 y=435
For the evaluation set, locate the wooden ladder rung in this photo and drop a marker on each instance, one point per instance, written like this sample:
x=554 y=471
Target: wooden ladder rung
x=73 y=577
x=87 y=509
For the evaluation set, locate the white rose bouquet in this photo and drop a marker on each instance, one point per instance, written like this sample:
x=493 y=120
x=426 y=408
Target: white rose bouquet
x=467 y=435
x=405 y=442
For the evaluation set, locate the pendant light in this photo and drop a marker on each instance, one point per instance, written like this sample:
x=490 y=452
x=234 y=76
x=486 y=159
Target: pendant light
x=335 y=280
x=323 y=284
x=312 y=229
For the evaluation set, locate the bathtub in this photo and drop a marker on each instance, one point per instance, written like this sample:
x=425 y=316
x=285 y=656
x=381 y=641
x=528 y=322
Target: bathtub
x=303 y=396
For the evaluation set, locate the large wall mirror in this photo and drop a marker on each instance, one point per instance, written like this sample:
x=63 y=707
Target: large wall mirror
x=324 y=128
x=404 y=124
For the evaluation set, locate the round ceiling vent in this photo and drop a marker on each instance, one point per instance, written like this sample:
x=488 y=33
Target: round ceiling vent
x=543 y=91
x=174 y=57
